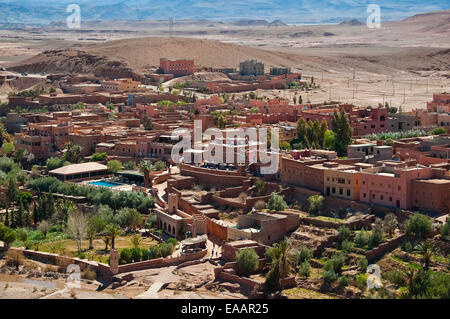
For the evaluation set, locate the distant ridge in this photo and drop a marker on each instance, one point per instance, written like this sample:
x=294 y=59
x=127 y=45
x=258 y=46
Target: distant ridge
x=353 y=22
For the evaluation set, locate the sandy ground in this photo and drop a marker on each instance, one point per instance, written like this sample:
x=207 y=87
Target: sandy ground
x=402 y=63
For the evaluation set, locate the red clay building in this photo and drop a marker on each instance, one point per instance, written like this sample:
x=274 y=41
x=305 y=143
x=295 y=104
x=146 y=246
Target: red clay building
x=177 y=67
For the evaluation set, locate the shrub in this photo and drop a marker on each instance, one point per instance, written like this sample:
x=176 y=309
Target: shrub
x=304 y=254
x=362 y=264
x=344 y=233
x=408 y=247
x=305 y=269
x=136 y=240
x=89 y=274
x=329 y=276
x=98 y=157
x=344 y=281
x=362 y=281
x=438 y=130
x=445 y=231
x=335 y=263
x=136 y=254
x=172 y=241
x=376 y=237
x=7 y=235
x=247 y=261
x=347 y=246
x=144 y=254
x=14 y=258
x=418 y=225
x=396 y=277
x=54 y=163
x=276 y=202
x=315 y=204
x=362 y=238
x=259 y=205
x=125 y=256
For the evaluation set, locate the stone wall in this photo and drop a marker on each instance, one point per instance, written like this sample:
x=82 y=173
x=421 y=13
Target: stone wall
x=102 y=270
x=161 y=262
x=384 y=248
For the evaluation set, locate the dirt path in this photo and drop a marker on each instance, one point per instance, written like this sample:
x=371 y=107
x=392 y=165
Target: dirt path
x=164 y=277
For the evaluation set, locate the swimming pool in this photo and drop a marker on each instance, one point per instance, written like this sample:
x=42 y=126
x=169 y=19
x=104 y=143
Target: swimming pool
x=105 y=184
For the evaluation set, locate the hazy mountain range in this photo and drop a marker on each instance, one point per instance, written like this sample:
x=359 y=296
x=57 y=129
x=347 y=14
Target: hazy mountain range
x=289 y=11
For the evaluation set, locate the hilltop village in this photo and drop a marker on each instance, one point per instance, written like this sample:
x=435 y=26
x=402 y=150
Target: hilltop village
x=87 y=177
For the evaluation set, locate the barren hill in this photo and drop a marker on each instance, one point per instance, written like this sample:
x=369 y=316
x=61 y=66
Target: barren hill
x=431 y=22
x=123 y=57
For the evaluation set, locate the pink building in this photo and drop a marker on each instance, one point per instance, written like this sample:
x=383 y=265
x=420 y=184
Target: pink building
x=391 y=186
x=177 y=67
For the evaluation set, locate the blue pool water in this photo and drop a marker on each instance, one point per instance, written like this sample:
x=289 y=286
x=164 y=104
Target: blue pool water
x=104 y=184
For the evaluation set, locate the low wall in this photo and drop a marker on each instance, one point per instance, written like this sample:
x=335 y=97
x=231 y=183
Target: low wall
x=161 y=262
x=354 y=224
x=384 y=248
x=160 y=178
x=47 y=258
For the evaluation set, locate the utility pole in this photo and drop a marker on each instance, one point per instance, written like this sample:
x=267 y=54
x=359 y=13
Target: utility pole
x=171 y=26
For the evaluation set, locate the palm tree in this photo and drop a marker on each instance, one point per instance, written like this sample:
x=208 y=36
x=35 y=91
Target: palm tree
x=279 y=263
x=427 y=251
x=146 y=167
x=410 y=275
x=112 y=231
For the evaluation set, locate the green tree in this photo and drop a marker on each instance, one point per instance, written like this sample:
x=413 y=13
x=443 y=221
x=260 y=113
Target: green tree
x=276 y=202
x=329 y=140
x=146 y=167
x=114 y=166
x=315 y=204
x=131 y=165
x=344 y=233
x=427 y=251
x=147 y=123
x=302 y=127
x=72 y=153
x=8 y=149
x=279 y=264
x=259 y=183
x=112 y=231
x=343 y=131
x=418 y=225
x=54 y=163
x=4 y=135
x=335 y=263
x=247 y=261
x=136 y=240
x=98 y=157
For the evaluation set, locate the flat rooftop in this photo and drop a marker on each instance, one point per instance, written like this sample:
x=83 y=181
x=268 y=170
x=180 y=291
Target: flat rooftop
x=79 y=168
